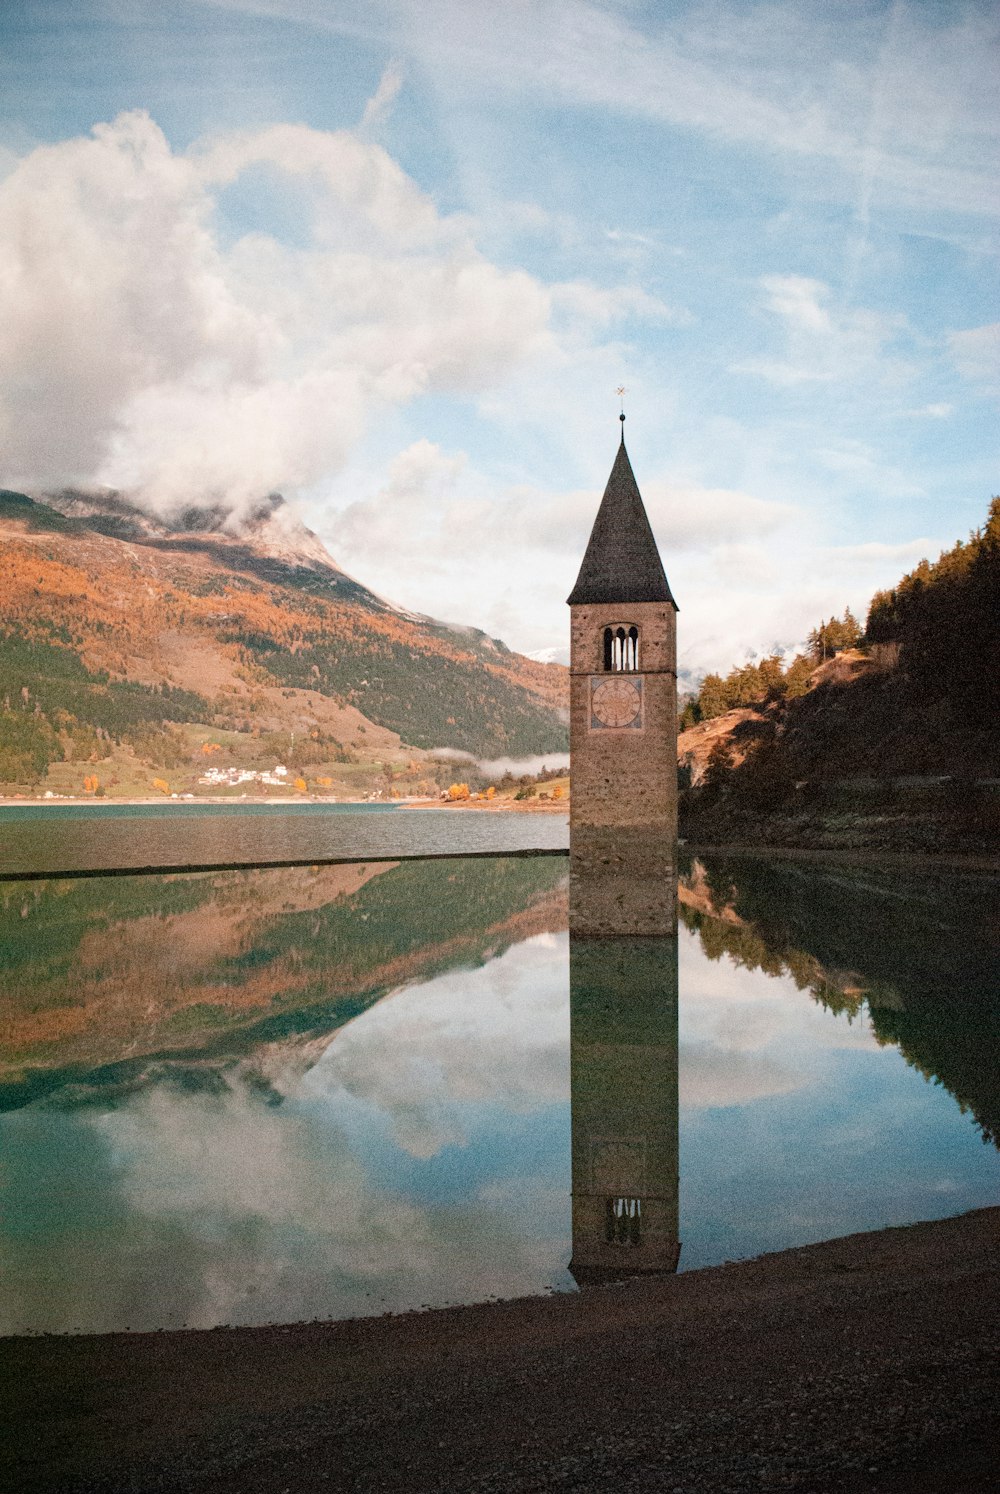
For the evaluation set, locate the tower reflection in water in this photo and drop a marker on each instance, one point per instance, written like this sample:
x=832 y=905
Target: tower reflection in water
x=623 y=1060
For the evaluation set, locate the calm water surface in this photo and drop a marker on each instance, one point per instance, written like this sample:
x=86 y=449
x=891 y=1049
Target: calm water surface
x=68 y=838
x=255 y=1095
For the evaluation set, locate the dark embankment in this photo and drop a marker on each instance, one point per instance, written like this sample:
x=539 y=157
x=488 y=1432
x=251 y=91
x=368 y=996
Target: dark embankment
x=867 y=1363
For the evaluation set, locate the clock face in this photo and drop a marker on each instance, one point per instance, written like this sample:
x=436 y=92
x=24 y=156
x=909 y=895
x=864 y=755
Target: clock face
x=616 y=702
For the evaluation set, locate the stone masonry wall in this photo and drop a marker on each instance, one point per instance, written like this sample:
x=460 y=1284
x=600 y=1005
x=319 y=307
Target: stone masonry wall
x=625 y=777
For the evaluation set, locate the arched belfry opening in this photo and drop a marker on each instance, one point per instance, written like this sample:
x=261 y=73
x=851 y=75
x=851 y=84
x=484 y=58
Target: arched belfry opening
x=621 y=649
x=623 y=1221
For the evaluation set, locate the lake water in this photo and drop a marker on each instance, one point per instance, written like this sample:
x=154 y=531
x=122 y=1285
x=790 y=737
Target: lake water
x=67 y=839
x=266 y=1095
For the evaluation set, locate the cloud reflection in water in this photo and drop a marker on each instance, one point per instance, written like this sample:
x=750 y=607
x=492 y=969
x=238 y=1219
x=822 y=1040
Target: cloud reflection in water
x=216 y=1204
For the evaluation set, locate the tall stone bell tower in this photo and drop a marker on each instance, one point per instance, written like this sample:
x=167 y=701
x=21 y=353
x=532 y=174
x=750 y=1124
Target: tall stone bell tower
x=623 y=668
x=623 y=712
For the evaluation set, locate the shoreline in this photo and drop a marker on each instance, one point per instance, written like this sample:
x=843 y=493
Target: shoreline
x=304 y=800
x=869 y=1362
x=179 y=803
x=973 y=861
x=970 y=862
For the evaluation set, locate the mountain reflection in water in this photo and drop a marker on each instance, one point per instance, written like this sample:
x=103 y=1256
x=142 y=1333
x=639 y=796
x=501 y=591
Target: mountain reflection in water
x=253 y=1096
x=919 y=951
x=268 y=1095
x=104 y=978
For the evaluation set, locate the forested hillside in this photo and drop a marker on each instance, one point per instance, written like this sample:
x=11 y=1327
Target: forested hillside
x=146 y=649
x=940 y=630
x=897 y=722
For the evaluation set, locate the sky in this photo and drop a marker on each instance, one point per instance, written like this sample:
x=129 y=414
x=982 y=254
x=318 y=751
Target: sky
x=393 y=258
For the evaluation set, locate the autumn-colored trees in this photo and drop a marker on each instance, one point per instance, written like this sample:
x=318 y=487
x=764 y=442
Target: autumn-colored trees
x=832 y=636
x=770 y=678
x=745 y=685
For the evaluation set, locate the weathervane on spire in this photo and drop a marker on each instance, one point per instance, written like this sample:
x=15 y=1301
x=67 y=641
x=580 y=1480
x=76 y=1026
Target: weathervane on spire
x=621 y=392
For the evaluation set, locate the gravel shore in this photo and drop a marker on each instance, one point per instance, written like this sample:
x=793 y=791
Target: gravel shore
x=863 y=1364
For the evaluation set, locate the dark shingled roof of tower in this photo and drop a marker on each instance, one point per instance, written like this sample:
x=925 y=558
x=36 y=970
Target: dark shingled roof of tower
x=621 y=563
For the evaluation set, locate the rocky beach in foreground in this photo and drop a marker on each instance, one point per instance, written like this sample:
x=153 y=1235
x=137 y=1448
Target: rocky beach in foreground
x=868 y=1363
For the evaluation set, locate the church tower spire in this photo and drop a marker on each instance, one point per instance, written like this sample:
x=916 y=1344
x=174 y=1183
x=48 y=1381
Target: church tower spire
x=621 y=562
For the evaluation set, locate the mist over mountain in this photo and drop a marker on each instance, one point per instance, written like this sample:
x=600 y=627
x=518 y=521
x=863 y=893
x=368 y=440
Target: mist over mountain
x=268 y=531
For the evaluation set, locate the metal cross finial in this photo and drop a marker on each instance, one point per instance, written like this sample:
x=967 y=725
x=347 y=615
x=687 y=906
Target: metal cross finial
x=621 y=392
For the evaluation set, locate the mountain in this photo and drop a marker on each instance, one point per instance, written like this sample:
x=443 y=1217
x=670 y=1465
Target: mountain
x=134 y=646
x=549 y=655
x=268 y=540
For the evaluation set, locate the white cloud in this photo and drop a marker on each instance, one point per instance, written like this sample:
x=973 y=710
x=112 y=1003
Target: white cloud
x=431 y=1056
x=496 y=767
x=599 y=306
x=768 y=596
x=141 y=352
x=423 y=465
x=413 y=535
x=150 y=348
x=689 y=516
x=745 y=1034
x=405 y=520
x=438 y=495
x=799 y=300
x=779 y=373
x=379 y=106
x=241 y=1211
x=942 y=410
x=873 y=552
x=976 y=353
x=747 y=572
x=826 y=342
x=711 y=1075
x=859 y=463
x=684 y=516
x=247 y=1213
x=109 y=284
x=146 y=352
x=788 y=80
x=363 y=198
